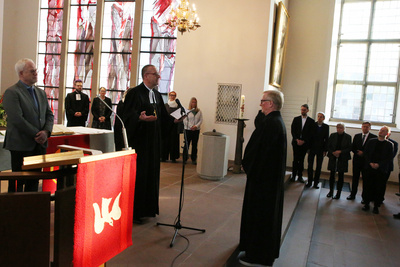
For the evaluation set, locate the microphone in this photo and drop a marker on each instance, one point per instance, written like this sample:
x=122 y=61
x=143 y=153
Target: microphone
x=180 y=106
x=124 y=136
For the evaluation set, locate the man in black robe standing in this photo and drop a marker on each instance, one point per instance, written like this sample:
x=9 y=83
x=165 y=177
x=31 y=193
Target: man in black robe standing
x=264 y=162
x=378 y=154
x=77 y=106
x=144 y=116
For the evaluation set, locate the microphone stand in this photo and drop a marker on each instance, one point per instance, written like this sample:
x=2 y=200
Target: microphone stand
x=124 y=136
x=177 y=226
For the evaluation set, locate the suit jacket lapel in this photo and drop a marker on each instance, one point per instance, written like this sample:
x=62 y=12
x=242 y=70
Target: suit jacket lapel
x=27 y=95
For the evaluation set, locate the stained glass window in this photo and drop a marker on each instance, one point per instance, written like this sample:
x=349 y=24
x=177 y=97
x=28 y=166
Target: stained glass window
x=49 y=50
x=158 y=42
x=81 y=44
x=116 y=49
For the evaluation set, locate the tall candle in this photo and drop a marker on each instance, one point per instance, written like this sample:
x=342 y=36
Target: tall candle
x=242 y=107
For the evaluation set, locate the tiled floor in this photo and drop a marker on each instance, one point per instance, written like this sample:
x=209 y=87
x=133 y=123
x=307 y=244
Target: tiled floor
x=211 y=205
x=323 y=232
x=343 y=234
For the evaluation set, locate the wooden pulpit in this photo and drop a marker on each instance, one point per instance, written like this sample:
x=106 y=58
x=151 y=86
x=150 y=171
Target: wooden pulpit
x=92 y=218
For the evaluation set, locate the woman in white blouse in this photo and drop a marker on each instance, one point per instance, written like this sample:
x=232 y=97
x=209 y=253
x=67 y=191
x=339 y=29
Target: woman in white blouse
x=192 y=128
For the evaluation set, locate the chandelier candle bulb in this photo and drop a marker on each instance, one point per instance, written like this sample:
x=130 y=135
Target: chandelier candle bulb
x=242 y=107
x=183 y=18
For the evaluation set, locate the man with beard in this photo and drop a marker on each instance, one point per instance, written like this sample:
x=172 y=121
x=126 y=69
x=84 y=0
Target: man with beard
x=145 y=116
x=301 y=129
x=77 y=106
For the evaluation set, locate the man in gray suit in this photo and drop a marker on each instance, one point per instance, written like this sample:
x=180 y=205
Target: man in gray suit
x=29 y=122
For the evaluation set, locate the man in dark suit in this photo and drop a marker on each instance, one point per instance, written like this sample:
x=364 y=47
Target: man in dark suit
x=378 y=154
x=302 y=127
x=359 y=142
x=318 y=148
x=77 y=106
x=145 y=116
x=29 y=122
x=339 y=147
x=391 y=165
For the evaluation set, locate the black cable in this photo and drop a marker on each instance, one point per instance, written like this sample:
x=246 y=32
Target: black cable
x=187 y=246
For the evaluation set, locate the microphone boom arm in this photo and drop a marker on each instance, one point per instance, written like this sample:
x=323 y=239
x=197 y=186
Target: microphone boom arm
x=124 y=135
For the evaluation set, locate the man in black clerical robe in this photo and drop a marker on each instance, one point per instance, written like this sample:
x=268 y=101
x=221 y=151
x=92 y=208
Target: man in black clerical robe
x=144 y=116
x=378 y=154
x=77 y=106
x=264 y=163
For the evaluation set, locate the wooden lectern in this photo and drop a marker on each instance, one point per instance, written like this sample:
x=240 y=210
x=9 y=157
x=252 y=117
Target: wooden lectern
x=25 y=217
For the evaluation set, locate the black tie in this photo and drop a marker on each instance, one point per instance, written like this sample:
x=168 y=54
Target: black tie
x=363 y=138
x=30 y=89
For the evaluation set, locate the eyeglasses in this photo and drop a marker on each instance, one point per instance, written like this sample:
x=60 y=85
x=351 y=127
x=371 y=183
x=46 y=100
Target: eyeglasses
x=173 y=95
x=263 y=100
x=154 y=73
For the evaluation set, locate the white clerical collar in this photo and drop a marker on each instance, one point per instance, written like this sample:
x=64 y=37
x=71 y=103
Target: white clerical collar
x=148 y=87
x=172 y=104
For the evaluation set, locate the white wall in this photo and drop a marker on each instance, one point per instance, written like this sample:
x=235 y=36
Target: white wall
x=230 y=47
x=19 y=39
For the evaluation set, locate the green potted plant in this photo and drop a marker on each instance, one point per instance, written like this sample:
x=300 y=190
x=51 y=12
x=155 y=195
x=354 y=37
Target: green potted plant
x=3 y=115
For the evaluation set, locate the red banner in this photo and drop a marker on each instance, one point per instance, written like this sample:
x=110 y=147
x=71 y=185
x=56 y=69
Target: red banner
x=104 y=209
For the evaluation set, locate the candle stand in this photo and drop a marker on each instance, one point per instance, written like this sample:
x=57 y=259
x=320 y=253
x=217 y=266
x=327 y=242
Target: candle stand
x=237 y=166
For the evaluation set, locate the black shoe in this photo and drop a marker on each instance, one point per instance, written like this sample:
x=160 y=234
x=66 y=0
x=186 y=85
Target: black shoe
x=396 y=216
x=300 y=180
x=375 y=210
x=337 y=196
x=330 y=194
x=351 y=197
x=137 y=220
x=397 y=194
x=308 y=184
x=362 y=201
x=292 y=178
x=366 y=207
x=248 y=262
x=316 y=186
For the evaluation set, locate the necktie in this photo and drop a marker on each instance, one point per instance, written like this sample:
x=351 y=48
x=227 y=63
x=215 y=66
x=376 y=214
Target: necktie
x=363 y=139
x=30 y=90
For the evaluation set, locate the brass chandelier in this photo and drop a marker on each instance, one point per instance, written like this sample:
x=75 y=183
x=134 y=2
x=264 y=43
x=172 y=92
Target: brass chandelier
x=184 y=18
